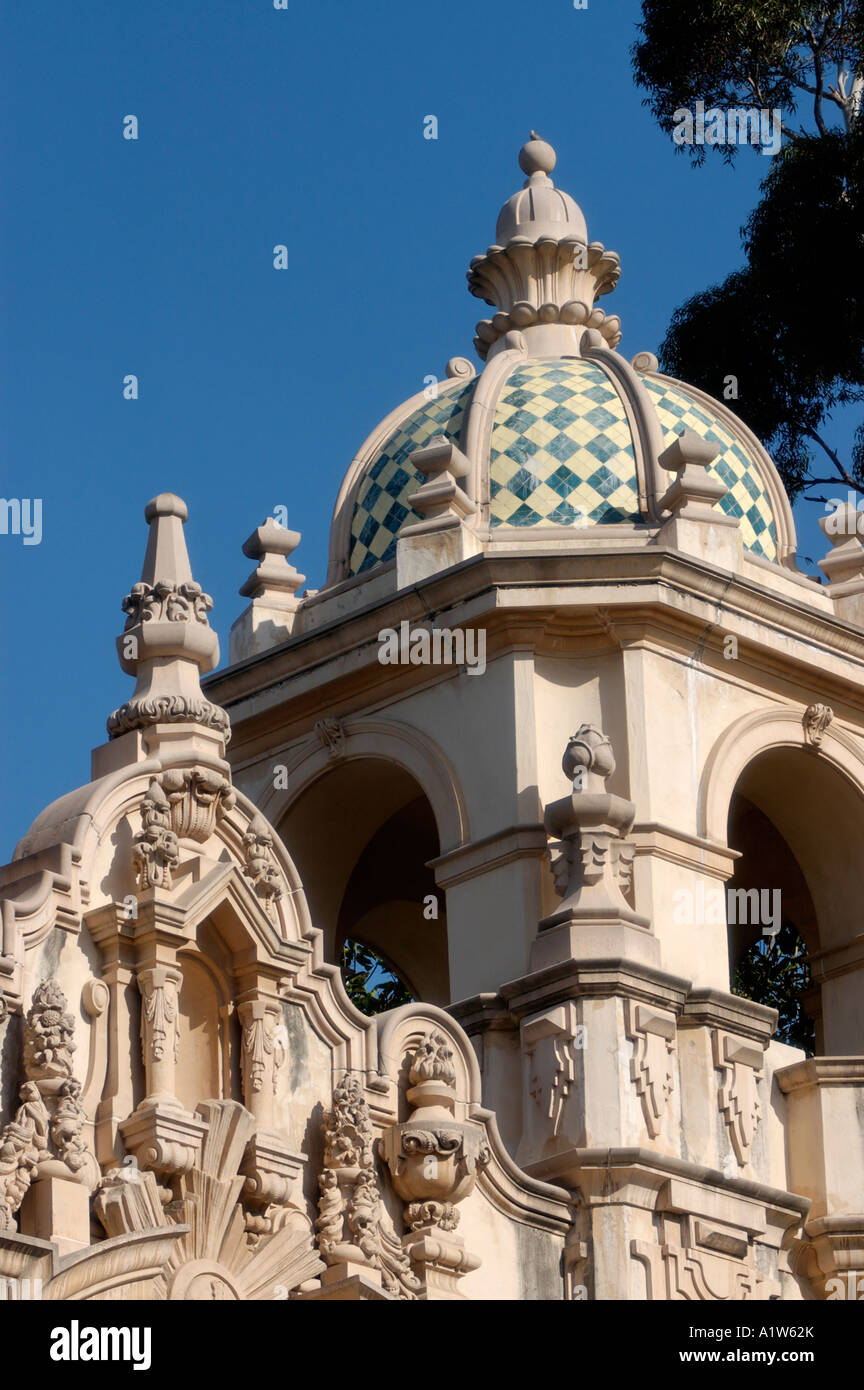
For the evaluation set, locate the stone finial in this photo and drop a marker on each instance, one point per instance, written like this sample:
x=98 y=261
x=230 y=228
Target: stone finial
x=273 y=578
x=590 y=863
x=444 y=535
x=588 y=759
x=440 y=501
x=844 y=563
x=272 y=586
x=167 y=642
x=542 y=274
x=694 y=493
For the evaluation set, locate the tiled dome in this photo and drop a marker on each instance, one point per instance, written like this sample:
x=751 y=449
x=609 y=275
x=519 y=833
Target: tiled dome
x=678 y=409
x=561 y=450
x=561 y=454
x=559 y=431
x=382 y=506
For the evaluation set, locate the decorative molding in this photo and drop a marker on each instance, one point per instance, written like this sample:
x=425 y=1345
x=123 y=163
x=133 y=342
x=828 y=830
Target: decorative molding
x=816 y=721
x=652 y=1068
x=197 y=796
x=160 y=1038
x=331 y=735
x=155 y=849
x=548 y=1040
x=260 y=866
x=740 y=1062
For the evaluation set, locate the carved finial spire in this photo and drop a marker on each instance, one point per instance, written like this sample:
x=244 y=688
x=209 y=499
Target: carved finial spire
x=542 y=275
x=167 y=642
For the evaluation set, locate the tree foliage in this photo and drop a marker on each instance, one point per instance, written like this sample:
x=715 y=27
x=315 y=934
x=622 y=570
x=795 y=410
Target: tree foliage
x=369 y=982
x=775 y=971
x=789 y=326
x=765 y=53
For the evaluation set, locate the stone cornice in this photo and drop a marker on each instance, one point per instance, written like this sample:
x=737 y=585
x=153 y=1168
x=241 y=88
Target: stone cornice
x=821 y=1071
x=483 y=1013
x=679 y=847
x=575 y=1167
x=713 y=1008
x=515 y=842
x=837 y=960
x=647 y=594
x=574 y=979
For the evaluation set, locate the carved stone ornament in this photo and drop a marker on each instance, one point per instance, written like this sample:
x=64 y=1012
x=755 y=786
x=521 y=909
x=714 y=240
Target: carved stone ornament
x=434 y=1160
x=48 y=1030
x=816 y=721
x=261 y=867
x=591 y=863
x=550 y=1045
x=652 y=1068
x=159 y=1008
x=740 y=1063
x=331 y=736
x=196 y=796
x=351 y=1231
x=262 y=1051
x=45 y=1137
x=214 y=1257
x=155 y=850
x=161 y=602
x=168 y=709
x=23 y=1144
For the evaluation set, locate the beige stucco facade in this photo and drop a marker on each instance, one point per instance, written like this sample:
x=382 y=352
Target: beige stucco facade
x=577 y=1105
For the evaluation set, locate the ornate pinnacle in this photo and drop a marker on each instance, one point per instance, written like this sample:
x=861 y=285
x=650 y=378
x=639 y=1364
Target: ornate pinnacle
x=167 y=642
x=542 y=274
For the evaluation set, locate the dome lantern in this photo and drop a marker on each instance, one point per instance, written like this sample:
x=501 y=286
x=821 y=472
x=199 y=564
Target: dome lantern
x=543 y=273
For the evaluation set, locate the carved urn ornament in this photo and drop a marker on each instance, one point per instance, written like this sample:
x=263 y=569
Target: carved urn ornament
x=590 y=862
x=433 y=1156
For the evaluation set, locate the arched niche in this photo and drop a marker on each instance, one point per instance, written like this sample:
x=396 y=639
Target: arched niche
x=362 y=835
x=199 y=1029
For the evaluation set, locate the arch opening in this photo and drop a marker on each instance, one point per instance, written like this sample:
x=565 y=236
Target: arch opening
x=362 y=836
x=798 y=824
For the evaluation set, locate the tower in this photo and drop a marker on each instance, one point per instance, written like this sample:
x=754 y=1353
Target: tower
x=565 y=734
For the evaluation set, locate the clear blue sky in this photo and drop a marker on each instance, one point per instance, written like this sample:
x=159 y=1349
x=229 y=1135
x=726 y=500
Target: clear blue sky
x=261 y=126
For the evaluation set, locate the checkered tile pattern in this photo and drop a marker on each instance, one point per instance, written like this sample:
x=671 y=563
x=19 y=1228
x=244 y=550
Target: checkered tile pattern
x=746 y=497
x=561 y=453
x=381 y=505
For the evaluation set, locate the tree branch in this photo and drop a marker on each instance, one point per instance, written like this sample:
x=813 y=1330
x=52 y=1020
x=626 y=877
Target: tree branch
x=842 y=474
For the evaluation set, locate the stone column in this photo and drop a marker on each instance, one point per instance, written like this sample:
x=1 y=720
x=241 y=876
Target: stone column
x=160 y=1041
